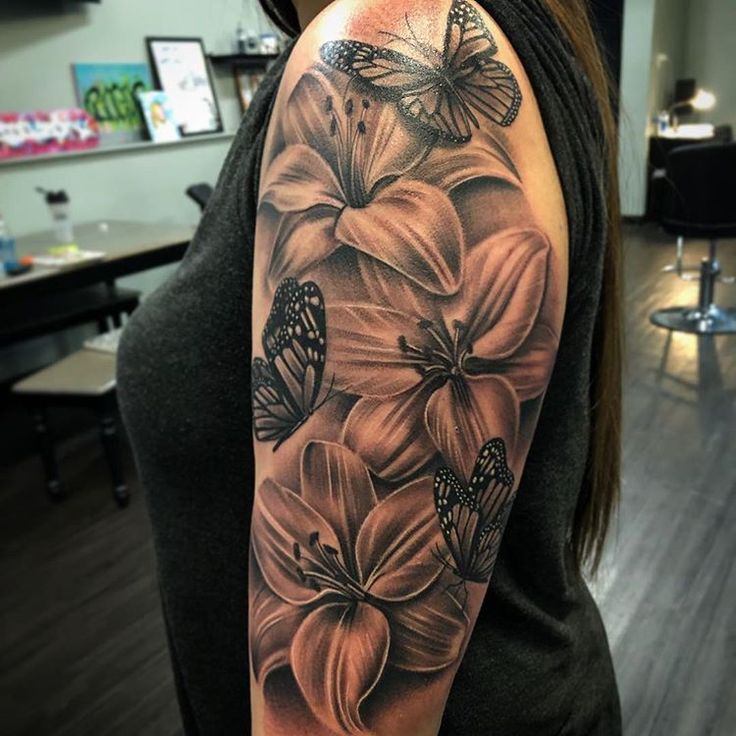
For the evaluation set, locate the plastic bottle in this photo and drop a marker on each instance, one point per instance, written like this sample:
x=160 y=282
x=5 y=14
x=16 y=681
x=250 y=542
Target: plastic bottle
x=8 y=258
x=58 y=203
x=241 y=41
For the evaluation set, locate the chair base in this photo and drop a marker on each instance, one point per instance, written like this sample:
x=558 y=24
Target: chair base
x=713 y=321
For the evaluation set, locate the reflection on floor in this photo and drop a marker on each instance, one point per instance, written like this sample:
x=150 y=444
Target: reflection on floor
x=668 y=587
x=82 y=647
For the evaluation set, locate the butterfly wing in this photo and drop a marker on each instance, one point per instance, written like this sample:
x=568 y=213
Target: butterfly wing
x=382 y=68
x=458 y=517
x=273 y=420
x=287 y=385
x=492 y=482
x=294 y=340
x=423 y=95
x=492 y=488
x=490 y=88
x=467 y=37
x=485 y=552
x=439 y=111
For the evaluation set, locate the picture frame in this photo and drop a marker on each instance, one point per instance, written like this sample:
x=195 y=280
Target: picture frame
x=160 y=121
x=181 y=70
x=109 y=93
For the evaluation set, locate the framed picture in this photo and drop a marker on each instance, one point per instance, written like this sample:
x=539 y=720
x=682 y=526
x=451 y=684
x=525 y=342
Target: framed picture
x=180 y=69
x=159 y=116
x=247 y=82
x=109 y=93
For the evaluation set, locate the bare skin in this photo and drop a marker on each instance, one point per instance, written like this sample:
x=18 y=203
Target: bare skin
x=409 y=286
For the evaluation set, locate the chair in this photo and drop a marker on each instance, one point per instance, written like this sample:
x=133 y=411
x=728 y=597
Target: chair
x=85 y=378
x=703 y=205
x=723 y=133
x=200 y=193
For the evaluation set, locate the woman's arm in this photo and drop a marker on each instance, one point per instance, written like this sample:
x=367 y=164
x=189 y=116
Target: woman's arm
x=409 y=285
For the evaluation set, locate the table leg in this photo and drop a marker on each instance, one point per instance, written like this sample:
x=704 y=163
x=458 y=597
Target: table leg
x=48 y=457
x=111 y=445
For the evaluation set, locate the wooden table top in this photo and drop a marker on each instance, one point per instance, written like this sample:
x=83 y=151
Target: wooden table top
x=119 y=239
x=129 y=247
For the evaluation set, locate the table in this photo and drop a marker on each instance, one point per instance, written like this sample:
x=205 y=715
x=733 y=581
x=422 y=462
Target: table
x=130 y=247
x=46 y=300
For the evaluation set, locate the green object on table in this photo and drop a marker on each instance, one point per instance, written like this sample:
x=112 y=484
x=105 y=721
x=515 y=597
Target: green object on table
x=64 y=250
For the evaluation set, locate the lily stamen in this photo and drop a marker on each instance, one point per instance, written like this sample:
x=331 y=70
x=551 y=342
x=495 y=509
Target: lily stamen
x=325 y=569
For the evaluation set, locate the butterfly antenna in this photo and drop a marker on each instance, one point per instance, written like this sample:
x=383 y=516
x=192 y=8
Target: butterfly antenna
x=400 y=39
x=465 y=591
x=411 y=30
x=454 y=588
x=347 y=88
x=440 y=558
x=421 y=48
x=329 y=395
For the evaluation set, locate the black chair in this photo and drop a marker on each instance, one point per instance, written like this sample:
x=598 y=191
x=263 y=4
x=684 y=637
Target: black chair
x=702 y=205
x=200 y=193
x=723 y=133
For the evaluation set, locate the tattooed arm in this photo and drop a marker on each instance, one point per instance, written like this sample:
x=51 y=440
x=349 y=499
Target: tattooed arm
x=409 y=283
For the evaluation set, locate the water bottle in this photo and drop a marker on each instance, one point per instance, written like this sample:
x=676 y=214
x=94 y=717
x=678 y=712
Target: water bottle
x=8 y=258
x=58 y=203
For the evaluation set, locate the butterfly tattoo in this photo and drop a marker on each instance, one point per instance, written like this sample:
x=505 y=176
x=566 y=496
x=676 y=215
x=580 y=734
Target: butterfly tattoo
x=442 y=93
x=286 y=386
x=472 y=518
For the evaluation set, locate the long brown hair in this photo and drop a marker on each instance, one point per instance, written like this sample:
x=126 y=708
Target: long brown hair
x=600 y=494
x=599 y=498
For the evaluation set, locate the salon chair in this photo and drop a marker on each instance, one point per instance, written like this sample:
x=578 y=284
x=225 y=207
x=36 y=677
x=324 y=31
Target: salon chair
x=702 y=205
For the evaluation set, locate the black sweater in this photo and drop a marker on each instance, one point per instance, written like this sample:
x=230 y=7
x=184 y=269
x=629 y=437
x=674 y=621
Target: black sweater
x=538 y=663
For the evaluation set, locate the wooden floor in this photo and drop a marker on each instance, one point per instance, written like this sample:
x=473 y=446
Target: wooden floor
x=668 y=589
x=82 y=648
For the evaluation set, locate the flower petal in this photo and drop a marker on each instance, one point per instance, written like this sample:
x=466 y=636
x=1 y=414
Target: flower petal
x=335 y=481
x=390 y=434
x=381 y=285
x=489 y=206
x=503 y=290
x=427 y=633
x=529 y=368
x=306 y=117
x=302 y=240
x=299 y=178
x=413 y=227
x=338 y=656
x=391 y=150
x=273 y=624
x=484 y=157
x=463 y=415
x=397 y=544
x=281 y=519
x=363 y=349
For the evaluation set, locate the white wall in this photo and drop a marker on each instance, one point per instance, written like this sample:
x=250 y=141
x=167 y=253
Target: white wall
x=664 y=40
x=710 y=54
x=36 y=52
x=669 y=51
x=37 y=49
x=636 y=59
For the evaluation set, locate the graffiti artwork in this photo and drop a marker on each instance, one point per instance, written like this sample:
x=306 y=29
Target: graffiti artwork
x=109 y=93
x=54 y=131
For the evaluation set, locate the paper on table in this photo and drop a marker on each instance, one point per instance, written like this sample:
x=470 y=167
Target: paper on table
x=70 y=260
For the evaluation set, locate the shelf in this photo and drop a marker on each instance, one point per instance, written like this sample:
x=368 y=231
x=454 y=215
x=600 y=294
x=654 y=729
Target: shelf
x=114 y=150
x=253 y=61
